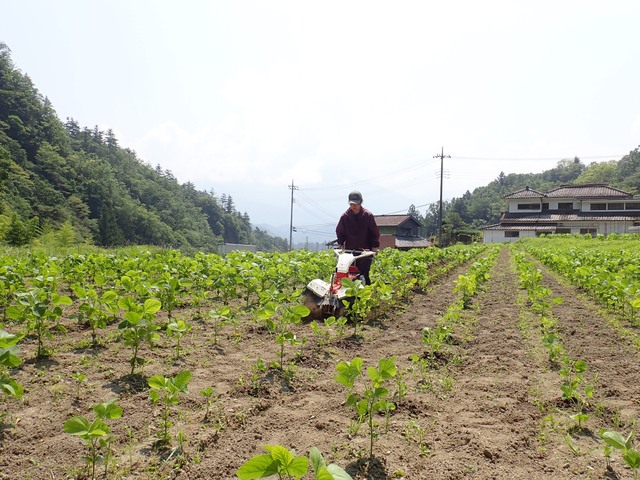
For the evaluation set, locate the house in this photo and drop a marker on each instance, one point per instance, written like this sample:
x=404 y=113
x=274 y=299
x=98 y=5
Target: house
x=401 y=232
x=589 y=208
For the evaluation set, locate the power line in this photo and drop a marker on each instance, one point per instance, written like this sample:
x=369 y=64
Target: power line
x=385 y=176
x=516 y=159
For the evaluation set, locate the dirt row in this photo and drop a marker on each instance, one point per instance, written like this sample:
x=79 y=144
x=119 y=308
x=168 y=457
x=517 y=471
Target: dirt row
x=488 y=409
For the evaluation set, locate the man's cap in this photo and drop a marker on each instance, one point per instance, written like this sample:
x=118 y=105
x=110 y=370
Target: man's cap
x=355 y=197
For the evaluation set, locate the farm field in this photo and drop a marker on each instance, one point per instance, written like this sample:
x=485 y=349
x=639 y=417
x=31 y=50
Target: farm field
x=519 y=371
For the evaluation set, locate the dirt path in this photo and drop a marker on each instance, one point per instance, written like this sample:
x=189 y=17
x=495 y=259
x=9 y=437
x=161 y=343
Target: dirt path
x=612 y=359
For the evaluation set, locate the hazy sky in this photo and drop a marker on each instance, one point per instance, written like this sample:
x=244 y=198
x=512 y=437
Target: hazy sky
x=246 y=96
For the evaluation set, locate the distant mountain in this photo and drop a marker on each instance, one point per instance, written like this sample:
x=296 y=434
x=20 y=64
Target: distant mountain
x=63 y=184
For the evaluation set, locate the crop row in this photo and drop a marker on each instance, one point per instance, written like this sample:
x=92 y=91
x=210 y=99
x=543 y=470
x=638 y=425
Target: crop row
x=609 y=269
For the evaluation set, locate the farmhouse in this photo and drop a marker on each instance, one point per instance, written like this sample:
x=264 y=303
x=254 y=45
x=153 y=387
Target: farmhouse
x=401 y=232
x=590 y=208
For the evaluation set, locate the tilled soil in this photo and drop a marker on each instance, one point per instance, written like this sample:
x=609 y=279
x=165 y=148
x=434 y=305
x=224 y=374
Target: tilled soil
x=487 y=407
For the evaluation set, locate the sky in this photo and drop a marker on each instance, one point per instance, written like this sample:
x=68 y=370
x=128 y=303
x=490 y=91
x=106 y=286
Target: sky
x=248 y=97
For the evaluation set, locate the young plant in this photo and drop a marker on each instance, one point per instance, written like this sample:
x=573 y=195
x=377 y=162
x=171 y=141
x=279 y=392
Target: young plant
x=373 y=398
x=9 y=359
x=95 y=434
x=166 y=391
x=284 y=463
x=573 y=375
x=79 y=378
x=630 y=455
x=37 y=307
x=554 y=347
x=435 y=338
x=279 y=319
x=210 y=396
x=580 y=418
x=360 y=301
x=466 y=285
x=170 y=289
x=90 y=310
x=219 y=317
x=178 y=329
x=138 y=325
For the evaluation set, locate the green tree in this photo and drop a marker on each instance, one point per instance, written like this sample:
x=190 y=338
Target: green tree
x=17 y=233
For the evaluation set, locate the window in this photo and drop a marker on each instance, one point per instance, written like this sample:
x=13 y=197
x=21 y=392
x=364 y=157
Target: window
x=590 y=231
x=545 y=206
x=565 y=206
x=615 y=206
x=511 y=234
x=632 y=206
x=528 y=206
x=563 y=230
x=598 y=206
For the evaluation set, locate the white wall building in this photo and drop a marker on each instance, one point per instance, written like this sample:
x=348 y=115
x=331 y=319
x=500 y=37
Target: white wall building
x=592 y=208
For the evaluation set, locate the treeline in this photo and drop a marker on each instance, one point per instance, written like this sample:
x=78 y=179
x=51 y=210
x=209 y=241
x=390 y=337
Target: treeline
x=462 y=217
x=63 y=183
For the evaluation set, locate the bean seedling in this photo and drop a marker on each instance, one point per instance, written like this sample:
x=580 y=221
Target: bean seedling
x=166 y=391
x=373 y=398
x=95 y=434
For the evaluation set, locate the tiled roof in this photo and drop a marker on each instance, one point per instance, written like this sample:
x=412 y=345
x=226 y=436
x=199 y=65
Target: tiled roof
x=525 y=193
x=535 y=228
x=594 y=190
x=391 y=241
x=394 y=220
x=566 y=217
x=590 y=190
x=412 y=242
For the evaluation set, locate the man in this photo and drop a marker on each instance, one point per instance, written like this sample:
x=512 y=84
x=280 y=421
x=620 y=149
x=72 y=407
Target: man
x=357 y=229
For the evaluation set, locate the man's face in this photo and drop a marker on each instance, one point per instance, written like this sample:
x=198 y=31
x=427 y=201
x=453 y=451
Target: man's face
x=355 y=208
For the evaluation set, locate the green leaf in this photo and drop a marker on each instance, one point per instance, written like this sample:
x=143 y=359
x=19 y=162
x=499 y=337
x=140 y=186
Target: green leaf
x=61 y=299
x=8 y=340
x=109 y=410
x=8 y=359
x=76 y=426
x=387 y=368
x=580 y=366
x=323 y=474
x=301 y=311
x=280 y=454
x=362 y=407
x=151 y=306
x=615 y=439
x=158 y=382
x=132 y=317
x=259 y=466
x=14 y=313
x=79 y=291
x=298 y=467
x=10 y=387
x=348 y=372
x=632 y=458
x=338 y=473
x=182 y=379
x=317 y=462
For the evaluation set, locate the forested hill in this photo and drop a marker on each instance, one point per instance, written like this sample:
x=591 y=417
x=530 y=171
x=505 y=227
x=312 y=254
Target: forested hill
x=463 y=216
x=63 y=183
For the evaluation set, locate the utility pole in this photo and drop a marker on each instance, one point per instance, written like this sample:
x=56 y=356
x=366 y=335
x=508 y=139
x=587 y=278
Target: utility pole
x=292 y=187
x=442 y=156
